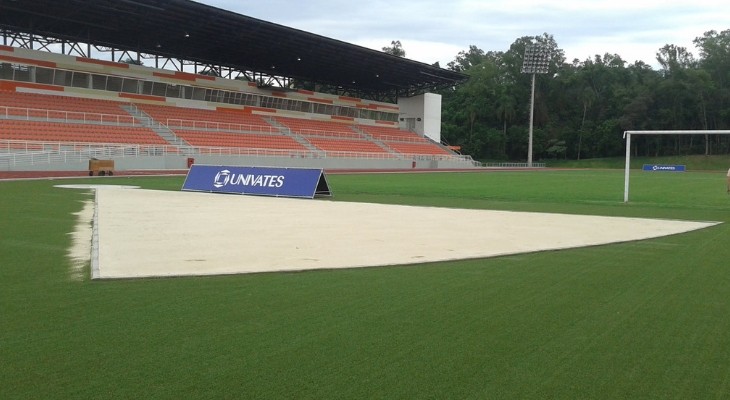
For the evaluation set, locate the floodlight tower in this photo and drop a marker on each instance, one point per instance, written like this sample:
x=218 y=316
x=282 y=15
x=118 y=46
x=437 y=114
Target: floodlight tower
x=536 y=61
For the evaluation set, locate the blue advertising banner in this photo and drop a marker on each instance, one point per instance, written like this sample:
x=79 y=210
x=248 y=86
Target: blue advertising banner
x=664 y=168
x=264 y=181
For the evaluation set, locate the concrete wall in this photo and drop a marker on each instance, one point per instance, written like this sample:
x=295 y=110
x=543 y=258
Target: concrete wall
x=422 y=113
x=180 y=162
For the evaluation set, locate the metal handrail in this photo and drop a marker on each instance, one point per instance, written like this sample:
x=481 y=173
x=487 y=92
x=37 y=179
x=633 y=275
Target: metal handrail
x=218 y=126
x=512 y=165
x=49 y=115
x=33 y=152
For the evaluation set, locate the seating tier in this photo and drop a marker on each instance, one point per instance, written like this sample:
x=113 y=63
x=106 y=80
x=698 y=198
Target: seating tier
x=308 y=127
x=72 y=132
x=345 y=145
x=417 y=148
x=60 y=103
x=198 y=127
x=385 y=133
x=183 y=117
x=241 y=140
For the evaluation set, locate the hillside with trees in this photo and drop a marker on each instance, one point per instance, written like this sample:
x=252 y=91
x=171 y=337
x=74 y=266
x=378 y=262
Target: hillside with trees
x=582 y=108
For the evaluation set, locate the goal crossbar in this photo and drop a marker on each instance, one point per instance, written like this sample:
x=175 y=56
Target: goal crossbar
x=627 y=136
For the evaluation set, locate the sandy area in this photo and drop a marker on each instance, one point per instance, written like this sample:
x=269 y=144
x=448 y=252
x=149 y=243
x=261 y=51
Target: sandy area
x=141 y=233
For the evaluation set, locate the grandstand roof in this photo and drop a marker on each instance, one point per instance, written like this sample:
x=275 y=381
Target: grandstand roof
x=184 y=29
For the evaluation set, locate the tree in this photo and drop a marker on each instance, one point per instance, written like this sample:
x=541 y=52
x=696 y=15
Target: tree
x=714 y=52
x=583 y=107
x=130 y=60
x=671 y=58
x=396 y=49
x=467 y=59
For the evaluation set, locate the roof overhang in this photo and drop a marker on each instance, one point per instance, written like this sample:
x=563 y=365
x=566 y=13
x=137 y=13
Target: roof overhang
x=188 y=30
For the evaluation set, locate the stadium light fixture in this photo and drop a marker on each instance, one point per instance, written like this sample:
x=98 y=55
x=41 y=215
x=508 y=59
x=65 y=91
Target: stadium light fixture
x=536 y=61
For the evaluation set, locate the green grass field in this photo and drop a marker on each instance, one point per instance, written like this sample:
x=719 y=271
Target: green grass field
x=638 y=320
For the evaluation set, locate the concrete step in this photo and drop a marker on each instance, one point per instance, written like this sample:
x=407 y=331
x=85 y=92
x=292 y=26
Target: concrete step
x=161 y=130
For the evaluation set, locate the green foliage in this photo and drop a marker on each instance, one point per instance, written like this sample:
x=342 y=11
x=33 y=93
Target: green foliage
x=130 y=60
x=589 y=104
x=396 y=49
x=645 y=319
x=557 y=148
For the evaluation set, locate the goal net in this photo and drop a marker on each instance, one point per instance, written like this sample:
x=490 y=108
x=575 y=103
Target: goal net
x=628 y=134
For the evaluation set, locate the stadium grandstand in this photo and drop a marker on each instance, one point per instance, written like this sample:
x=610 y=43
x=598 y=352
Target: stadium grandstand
x=155 y=84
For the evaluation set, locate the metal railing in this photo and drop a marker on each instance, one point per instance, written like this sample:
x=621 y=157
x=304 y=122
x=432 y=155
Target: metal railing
x=177 y=123
x=511 y=165
x=173 y=123
x=399 y=138
x=39 y=114
x=327 y=134
x=15 y=152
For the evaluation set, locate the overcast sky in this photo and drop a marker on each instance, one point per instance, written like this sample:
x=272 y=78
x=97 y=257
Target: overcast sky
x=437 y=30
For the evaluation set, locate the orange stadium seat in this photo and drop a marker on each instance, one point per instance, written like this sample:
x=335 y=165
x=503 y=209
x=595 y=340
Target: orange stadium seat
x=59 y=103
x=198 y=127
x=184 y=117
x=308 y=127
x=239 y=140
x=71 y=132
x=386 y=133
x=404 y=142
x=417 y=148
x=345 y=145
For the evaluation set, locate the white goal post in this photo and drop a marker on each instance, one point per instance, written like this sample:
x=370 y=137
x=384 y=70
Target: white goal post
x=627 y=136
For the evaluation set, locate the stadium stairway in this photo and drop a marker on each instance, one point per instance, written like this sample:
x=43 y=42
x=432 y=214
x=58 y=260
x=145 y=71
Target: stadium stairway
x=161 y=130
x=379 y=142
x=286 y=131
